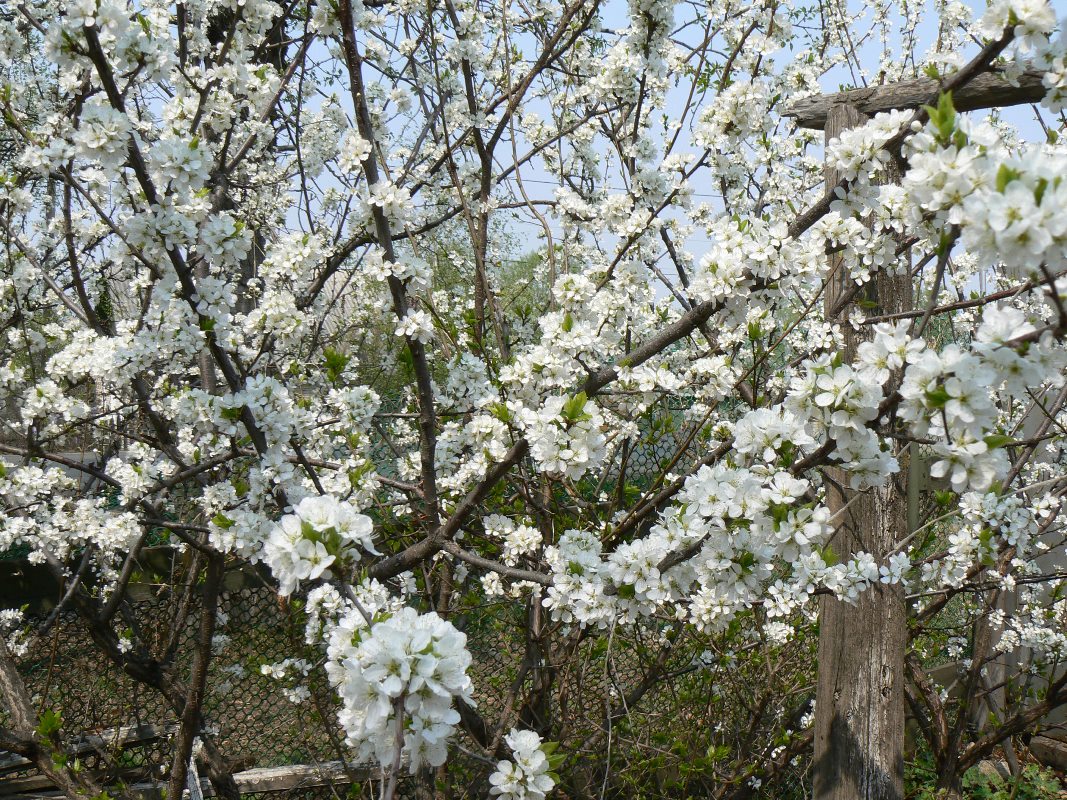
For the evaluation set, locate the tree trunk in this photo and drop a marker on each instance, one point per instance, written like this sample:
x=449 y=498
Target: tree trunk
x=859 y=711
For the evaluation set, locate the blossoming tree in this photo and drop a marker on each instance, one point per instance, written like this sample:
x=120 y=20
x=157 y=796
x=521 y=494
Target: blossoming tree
x=225 y=222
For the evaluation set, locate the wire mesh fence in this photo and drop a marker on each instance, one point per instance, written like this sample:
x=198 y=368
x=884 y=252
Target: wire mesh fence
x=253 y=722
x=257 y=727
x=247 y=712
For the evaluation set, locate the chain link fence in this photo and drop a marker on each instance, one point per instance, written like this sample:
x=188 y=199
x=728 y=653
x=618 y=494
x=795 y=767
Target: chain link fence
x=253 y=722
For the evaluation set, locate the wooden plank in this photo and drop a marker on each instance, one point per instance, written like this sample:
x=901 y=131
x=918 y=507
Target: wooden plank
x=987 y=90
x=1050 y=752
x=40 y=785
x=301 y=776
x=262 y=779
x=116 y=738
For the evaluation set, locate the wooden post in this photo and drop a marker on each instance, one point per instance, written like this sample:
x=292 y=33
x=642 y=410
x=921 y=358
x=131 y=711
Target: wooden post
x=859 y=709
x=859 y=715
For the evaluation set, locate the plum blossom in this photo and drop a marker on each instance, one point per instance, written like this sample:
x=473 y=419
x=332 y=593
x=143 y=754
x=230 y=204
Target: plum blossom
x=320 y=533
x=527 y=775
x=416 y=324
x=400 y=668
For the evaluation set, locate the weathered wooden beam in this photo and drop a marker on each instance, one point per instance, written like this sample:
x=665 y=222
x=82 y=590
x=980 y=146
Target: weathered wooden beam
x=43 y=786
x=302 y=776
x=987 y=90
x=120 y=738
x=293 y=777
x=1050 y=752
x=859 y=697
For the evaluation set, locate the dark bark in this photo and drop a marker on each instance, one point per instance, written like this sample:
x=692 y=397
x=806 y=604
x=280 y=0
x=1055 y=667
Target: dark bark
x=194 y=699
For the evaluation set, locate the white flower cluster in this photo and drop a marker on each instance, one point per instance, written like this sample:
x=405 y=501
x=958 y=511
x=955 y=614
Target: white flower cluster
x=104 y=135
x=416 y=324
x=18 y=638
x=577 y=591
x=1030 y=21
x=989 y=522
x=950 y=395
x=582 y=333
x=858 y=153
x=402 y=669
x=518 y=539
x=527 y=776
x=741 y=252
x=354 y=151
x=739 y=523
x=321 y=533
x=1036 y=626
x=291 y=671
x=565 y=435
x=394 y=201
x=1010 y=207
x=840 y=400
x=749 y=520
x=465 y=451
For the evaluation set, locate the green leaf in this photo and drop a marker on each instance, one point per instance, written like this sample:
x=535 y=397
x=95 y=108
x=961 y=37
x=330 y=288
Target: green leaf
x=1039 y=190
x=937 y=397
x=500 y=411
x=995 y=440
x=944 y=498
x=357 y=474
x=943 y=117
x=574 y=408
x=1006 y=175
x=49 y=724
x=335 y=363
x=779 y=512
x=945 y=243
x=717 y=752
x=746 y=561
x=828 y=556
x=985 y=536
x=222 y=521
x=788 y=453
